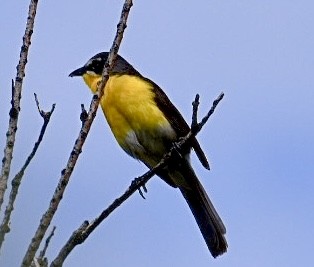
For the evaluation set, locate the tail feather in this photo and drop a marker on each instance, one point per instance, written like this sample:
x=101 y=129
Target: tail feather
x=207 y=218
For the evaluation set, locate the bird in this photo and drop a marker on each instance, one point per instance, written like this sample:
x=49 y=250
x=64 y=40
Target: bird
x=146 y=124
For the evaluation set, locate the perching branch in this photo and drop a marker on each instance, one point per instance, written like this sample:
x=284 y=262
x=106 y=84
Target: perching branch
x=16 y=98
x=82 y=233
x=66 y=173
x=16 y=181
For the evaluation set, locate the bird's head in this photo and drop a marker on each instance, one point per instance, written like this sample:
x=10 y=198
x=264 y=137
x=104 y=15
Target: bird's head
x=92 y=70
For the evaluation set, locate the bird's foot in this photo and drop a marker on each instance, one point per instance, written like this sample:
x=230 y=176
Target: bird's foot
x=138 y=181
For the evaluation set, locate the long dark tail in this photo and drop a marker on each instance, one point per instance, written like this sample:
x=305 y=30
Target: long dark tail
x=207 y=218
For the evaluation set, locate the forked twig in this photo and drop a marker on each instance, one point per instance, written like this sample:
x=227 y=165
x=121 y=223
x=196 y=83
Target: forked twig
x=16 y=181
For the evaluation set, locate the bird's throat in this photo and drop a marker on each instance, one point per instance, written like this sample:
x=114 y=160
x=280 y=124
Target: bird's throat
x=92 y=81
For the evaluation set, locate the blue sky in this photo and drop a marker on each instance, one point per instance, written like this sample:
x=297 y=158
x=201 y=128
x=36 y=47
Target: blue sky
x=260 y=140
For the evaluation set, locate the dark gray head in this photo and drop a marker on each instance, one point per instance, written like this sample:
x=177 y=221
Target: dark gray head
x=95 y=65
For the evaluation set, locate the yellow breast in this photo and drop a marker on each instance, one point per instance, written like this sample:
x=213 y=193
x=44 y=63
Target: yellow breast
x=128 y=104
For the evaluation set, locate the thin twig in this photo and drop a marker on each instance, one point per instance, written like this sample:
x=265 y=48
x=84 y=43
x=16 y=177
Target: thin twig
x=16 y=181
x=66 y=173
x=195 y=105
x=58 y=261
x=43 y=252
x=211 y=111
x=16 y=98
x=42 y=261
x=82 y=233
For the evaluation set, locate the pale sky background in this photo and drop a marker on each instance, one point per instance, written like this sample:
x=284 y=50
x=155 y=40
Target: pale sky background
x=260 y=140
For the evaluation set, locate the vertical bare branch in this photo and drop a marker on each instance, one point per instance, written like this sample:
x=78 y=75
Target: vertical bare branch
x=66 y=173
x=16 y=181
x=16 y=97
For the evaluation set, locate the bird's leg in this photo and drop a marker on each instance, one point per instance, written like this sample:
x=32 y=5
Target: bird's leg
x=178 y=150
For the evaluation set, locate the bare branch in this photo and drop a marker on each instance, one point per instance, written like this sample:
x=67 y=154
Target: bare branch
x=66 y=173
x=43 y=252
x=195 y=105
x=16 y=181
x=16 y=97
x=42 y=261
x=36 y=263
x=197 y=127
x=82 y=233
x=63 y=254
x=84 y=114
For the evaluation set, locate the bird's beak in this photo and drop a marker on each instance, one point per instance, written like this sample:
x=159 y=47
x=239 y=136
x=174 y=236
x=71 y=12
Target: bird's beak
x=78 y=72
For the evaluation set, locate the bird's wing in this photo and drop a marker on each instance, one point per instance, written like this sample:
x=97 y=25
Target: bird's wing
x=176 y=120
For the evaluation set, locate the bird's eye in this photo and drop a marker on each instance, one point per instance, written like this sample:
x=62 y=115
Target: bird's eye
x=96 y=66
